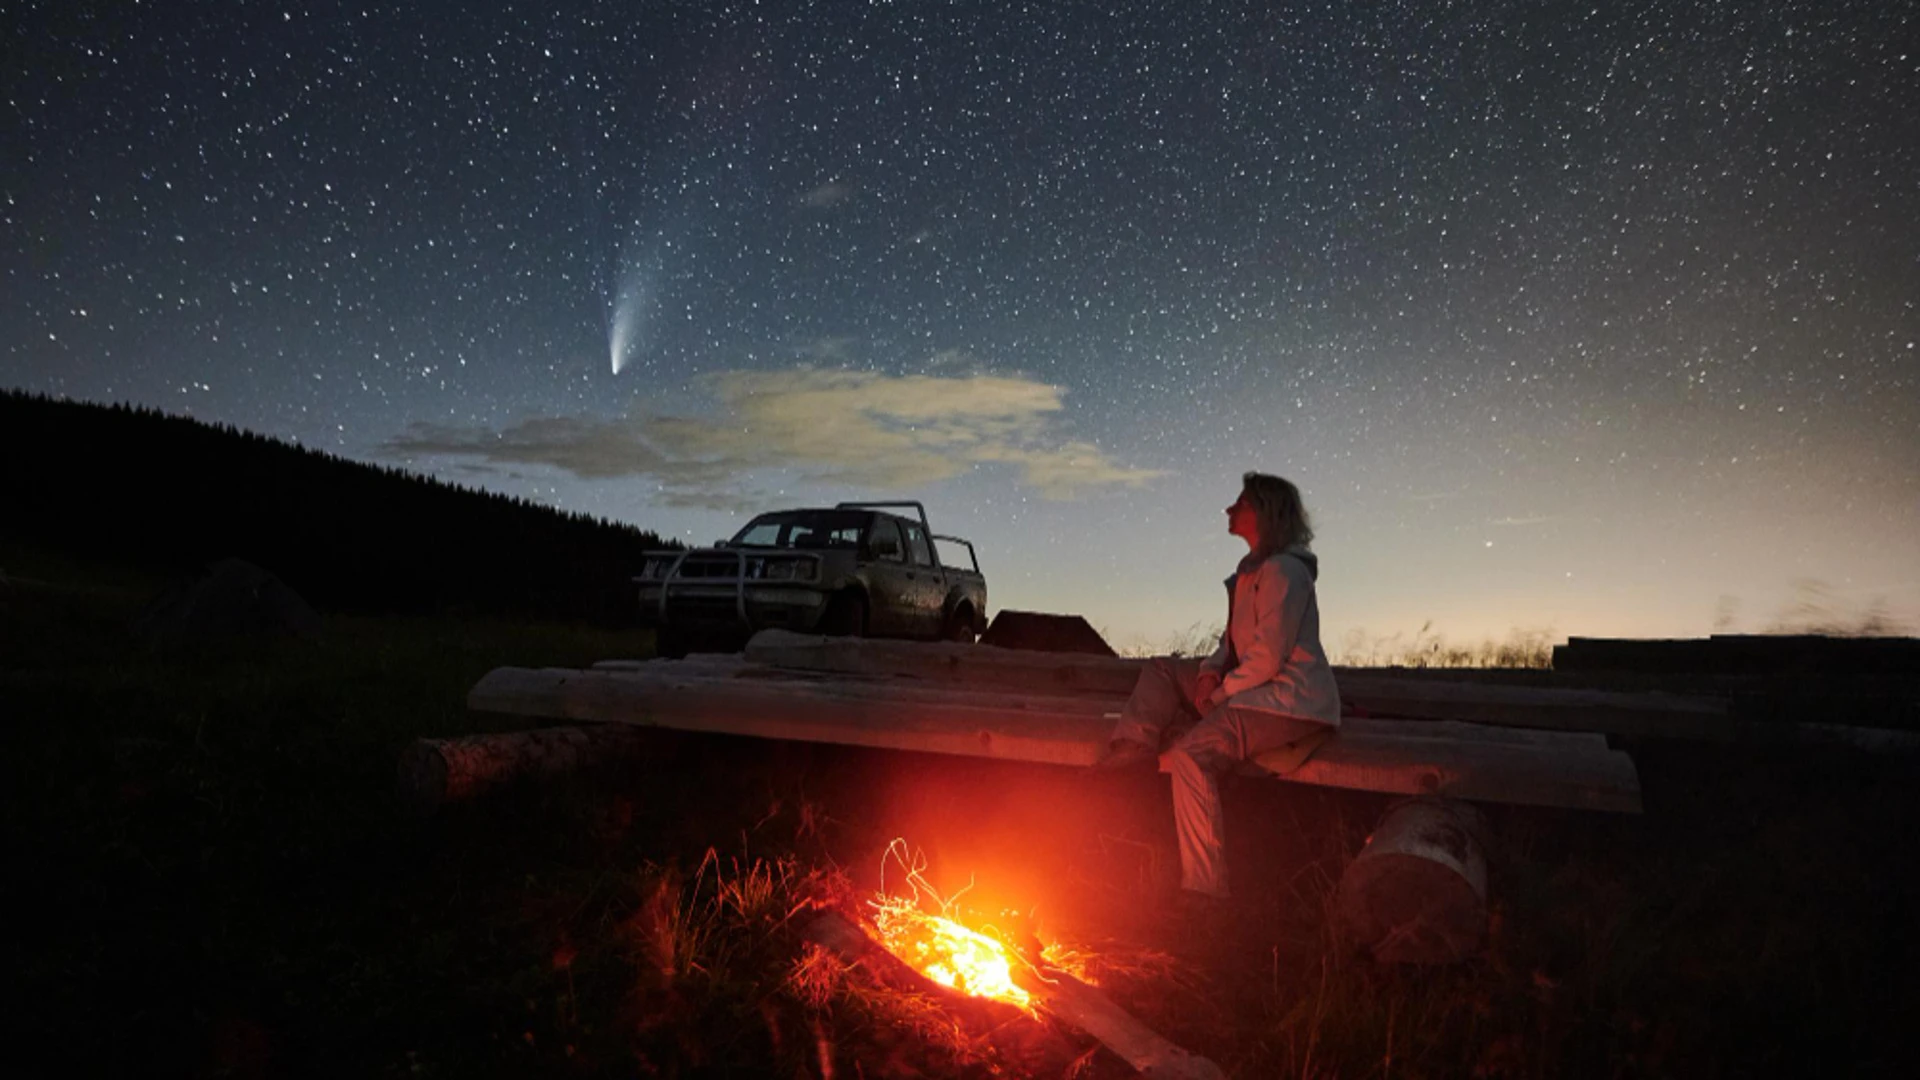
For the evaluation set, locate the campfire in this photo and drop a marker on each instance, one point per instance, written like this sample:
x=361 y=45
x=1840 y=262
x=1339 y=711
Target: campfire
x=949 y=953
x=986 y=961
x=978 y=963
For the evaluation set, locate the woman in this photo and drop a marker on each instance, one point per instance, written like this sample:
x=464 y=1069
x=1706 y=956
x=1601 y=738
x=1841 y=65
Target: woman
x=1268 y=685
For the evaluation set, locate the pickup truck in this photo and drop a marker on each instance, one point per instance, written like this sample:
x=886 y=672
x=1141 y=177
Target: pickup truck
x=858 y=569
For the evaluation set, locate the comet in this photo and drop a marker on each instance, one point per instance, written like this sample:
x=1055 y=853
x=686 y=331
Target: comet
x=627 y=314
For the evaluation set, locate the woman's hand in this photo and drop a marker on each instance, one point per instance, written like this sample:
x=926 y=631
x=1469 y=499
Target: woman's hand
x=1203 y=690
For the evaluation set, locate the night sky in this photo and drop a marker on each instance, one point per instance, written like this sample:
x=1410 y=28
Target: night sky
x=1582 y=319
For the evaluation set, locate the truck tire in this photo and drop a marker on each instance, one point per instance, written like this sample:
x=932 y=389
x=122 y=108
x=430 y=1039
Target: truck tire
x=846 y=615
x=959 y=626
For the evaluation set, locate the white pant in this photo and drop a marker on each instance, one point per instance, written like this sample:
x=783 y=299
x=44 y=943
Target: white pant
x=1222 y=739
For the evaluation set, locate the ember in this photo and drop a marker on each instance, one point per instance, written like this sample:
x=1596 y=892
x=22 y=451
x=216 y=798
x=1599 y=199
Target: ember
x=939 y=946
x=947 y=952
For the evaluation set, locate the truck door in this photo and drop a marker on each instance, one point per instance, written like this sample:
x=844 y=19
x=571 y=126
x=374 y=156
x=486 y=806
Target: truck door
x=927 y=586
x=889 y=587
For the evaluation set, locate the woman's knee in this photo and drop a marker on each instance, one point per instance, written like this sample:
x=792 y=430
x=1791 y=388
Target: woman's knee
x=1200 y=749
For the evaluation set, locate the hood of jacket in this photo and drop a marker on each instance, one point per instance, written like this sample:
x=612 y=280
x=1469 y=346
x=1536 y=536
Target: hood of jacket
x=1308 y=557
x=1298 y=551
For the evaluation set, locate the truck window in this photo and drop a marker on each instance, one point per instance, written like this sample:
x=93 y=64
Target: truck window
x=804 y=529
x=917 y=544
x=760 y=534
x=886 y=535
x=954 y=556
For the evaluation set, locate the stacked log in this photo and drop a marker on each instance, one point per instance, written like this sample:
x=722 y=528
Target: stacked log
x=438 y=771
x=981 y=719
x=1417 y=892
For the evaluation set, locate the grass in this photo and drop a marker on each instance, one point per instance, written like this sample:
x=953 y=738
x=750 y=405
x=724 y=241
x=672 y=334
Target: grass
x=213 y=874
x=1426 y=648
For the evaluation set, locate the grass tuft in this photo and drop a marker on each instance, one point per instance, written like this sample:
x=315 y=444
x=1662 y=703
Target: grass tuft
x=1428 y=648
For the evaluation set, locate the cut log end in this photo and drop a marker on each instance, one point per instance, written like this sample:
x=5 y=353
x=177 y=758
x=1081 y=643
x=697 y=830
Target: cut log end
x=1405 y=909
x=1417 y=894
x=423 y=774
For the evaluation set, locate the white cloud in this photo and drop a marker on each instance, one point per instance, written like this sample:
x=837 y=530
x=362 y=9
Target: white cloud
x=831 y=193
x=858 y=428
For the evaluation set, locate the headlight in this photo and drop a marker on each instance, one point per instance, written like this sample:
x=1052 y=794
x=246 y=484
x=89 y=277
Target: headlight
x=788 y=570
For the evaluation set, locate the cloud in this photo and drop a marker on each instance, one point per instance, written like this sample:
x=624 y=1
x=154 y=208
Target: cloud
x=862 y=429
x=833 y=349
x=831 y=193
x=950 y=358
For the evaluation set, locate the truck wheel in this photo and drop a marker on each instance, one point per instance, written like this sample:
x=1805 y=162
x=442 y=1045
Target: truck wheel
x=960 y=627
x=846 y=616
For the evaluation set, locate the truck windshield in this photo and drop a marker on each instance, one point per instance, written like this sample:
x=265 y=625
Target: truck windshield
x=805 y=529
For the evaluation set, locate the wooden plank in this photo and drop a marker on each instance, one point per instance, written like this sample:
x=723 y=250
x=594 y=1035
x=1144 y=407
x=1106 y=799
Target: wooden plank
x=878 y=687
x=1404 y=757
x=949 y=662
x=1458 y=731
x=793 y=711
x=999 y=680
x=1476 y=771
x=1757 y=654
x=1642 y=714
x=1073 y=1002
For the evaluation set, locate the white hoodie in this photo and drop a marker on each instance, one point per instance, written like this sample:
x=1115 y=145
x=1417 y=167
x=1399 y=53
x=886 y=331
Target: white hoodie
x=1270 y=657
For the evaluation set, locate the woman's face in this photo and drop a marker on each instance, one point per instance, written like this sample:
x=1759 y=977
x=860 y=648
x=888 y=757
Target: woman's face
x=1242 y=521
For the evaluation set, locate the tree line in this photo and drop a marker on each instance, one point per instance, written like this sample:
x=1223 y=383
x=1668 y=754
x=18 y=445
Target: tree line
x=143 y=488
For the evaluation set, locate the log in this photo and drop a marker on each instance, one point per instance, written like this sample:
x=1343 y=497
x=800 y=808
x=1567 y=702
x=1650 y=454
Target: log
x=1653 y=714
x=1402 y=757
x=876 y=687
x=983 y=665
x=438 y=771
x=1036 y=1048
x=1078 y=1005
x=1743 y=654
x=1417 y=892
x=1645 y=714
x=1063 y=677
x=1054 y=994
x=1471 y=761
x=800 y=712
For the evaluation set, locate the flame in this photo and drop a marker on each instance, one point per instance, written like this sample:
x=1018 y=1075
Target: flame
x=949 y=953
x=940 y=946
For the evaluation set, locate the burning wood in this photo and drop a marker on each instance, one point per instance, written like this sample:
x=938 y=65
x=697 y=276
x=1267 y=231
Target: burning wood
x=979 y=962
x=953 y=955
x=1050 y=993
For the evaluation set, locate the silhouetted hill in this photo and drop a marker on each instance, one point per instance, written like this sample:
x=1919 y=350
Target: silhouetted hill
x=170 y=493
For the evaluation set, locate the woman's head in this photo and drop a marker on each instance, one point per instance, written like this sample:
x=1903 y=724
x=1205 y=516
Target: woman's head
x=1279 y=519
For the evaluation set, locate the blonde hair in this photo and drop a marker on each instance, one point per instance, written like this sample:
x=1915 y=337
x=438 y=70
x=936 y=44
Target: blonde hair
x=1276 y=503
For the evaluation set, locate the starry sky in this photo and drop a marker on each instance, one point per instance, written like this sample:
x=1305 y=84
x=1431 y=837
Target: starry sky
x=1568 y=319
